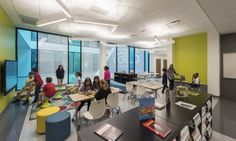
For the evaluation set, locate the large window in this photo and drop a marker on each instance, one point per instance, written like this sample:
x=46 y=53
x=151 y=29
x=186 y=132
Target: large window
x=74 y=59
x=139 y=60
x=146 y=61
x=131 y=59
x=123 y=59
x=26 y=54
x=52 y=52
x=90 y=59
x=151 y=64
x=111 y=59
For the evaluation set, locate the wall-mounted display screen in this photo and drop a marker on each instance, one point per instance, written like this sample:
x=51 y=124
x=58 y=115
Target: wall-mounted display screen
x=10 y=74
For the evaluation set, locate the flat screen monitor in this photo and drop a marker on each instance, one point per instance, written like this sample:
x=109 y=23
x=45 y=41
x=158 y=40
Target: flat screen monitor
x=10 y=74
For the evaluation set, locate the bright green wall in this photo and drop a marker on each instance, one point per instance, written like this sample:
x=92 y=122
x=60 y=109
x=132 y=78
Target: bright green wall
x=190 y=56
x=7 y=51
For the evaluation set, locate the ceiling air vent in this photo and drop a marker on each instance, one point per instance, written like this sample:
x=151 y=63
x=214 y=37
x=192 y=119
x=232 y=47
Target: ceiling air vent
x=132 y=36
x=176 y=22
x=28 y=20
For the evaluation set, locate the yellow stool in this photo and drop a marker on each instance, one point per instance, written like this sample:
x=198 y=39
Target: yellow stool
x=42 y=116
x=46 y=103
x=58 y=94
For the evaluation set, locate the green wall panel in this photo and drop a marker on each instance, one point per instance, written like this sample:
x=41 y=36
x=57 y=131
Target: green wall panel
x=7 y=51
x=190 y=56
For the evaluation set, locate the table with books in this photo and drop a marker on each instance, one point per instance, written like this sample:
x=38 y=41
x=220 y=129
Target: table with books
x=175 y=122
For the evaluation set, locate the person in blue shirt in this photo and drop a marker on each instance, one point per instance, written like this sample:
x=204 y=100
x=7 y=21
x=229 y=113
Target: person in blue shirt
x=164 y=79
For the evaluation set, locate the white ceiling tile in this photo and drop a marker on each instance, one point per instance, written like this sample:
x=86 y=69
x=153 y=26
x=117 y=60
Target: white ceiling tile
x=222 y=13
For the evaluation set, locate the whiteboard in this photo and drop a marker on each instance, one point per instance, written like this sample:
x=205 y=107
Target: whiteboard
x=229 y=65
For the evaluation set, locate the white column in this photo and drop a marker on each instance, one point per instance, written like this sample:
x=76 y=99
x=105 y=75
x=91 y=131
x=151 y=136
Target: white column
x=169 y=54
x=103 y=58
x=213 y=53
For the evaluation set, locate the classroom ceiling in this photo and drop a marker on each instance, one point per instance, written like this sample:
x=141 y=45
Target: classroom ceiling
x=222 y=13
x=138 y=20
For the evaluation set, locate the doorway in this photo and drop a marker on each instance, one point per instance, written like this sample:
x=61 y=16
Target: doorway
x=158 y=67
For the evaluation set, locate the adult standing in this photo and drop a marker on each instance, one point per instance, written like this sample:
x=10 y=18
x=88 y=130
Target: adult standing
x=107 y=75
x=171 y=76
x=38 y=84
x=60 y=75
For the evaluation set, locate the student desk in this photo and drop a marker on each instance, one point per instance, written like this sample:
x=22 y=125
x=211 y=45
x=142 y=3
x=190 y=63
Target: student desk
x=154 y=86
x=173 y=116
x=79 y=97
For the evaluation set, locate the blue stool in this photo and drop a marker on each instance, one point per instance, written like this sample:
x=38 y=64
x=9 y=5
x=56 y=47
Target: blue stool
x=58 y=126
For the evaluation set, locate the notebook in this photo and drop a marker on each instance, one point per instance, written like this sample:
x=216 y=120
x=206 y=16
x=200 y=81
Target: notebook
x=108 y=132
x=159 y=106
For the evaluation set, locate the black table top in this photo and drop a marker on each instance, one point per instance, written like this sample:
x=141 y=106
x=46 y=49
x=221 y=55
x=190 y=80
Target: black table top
x=132 y=128
x=181 y=116
x=173 y=116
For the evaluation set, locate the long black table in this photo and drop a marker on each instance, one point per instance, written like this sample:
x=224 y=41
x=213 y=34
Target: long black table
x=173 y=116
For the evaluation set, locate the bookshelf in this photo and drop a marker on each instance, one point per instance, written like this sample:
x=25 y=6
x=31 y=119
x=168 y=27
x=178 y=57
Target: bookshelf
x=200 y=126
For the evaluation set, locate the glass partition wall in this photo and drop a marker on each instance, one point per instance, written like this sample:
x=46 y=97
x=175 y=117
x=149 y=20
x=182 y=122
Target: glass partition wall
x=52 y=52
x=90 y=59
x=27 y=54
x=111 y=59
x=45 y=51
x=74 y=59
x=123 y=59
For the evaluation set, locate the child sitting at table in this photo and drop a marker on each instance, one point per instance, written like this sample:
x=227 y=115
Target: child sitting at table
x=195 y=81
x=48 y=91
x=96 y=83
x=86 y=87
x=75 y=88
x=29 y=87
x=104 y=91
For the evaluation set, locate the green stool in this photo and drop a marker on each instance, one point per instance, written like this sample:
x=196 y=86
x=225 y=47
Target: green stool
x=46 y=103
x=58 y=95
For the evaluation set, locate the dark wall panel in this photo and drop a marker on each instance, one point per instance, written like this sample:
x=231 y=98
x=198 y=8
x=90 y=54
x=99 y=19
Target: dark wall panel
x=227 y=86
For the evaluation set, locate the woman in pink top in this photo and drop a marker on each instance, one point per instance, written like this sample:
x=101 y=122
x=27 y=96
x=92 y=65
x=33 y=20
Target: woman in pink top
x=107 y=74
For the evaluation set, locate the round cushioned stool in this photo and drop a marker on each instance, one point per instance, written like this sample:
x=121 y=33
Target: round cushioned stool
x=42 y=116
x=58 y=126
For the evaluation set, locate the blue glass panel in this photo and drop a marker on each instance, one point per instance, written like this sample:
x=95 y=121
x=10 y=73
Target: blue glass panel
x=74 y=59
x=27 y=55
x=131 y=59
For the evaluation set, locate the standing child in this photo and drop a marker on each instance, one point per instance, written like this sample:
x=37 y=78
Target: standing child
x=38 y=84
x=29 y=85
x=60 y=72
x=107 y=75
x=164 y=79
x=48 y=91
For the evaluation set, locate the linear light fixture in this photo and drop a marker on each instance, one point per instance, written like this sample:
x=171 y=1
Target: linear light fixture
x=62 y=6
x=44 y=23
x=113 y=29
x=95 y=23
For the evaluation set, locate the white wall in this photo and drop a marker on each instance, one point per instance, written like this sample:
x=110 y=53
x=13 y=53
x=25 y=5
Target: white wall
x=213 y=53
x=103 y=62
x=170 y=54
